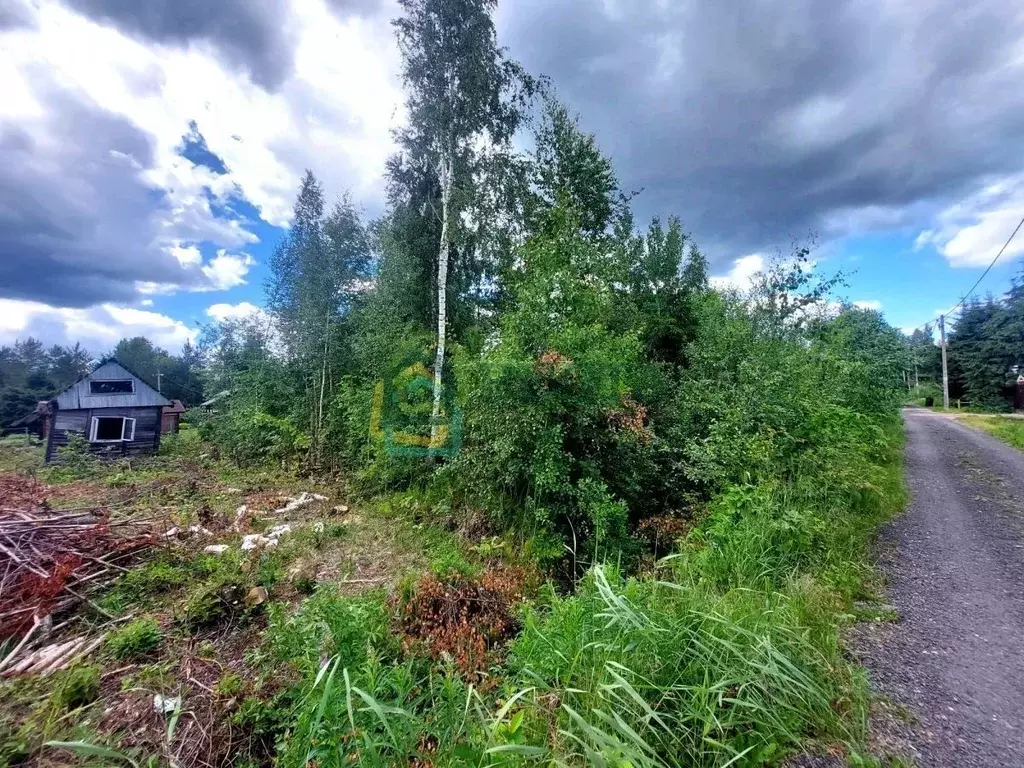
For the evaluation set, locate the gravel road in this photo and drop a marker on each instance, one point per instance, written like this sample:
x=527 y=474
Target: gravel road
x=954 y=569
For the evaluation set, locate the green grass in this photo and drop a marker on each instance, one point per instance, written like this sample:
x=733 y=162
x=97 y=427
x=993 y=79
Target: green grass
x=726 y=653
x=1009 y=430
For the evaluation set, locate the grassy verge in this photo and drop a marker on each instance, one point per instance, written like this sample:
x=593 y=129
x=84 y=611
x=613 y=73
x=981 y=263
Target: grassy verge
x=384 y=640
x=1007 y=429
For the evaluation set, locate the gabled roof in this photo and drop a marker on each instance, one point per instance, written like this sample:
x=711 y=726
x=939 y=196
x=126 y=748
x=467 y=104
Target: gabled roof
x=78 y=396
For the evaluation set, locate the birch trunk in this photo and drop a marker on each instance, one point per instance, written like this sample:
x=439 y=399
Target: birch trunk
x=442 y=292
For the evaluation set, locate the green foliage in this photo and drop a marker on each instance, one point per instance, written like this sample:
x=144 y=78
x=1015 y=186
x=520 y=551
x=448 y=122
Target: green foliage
x=250 y=436
x=74 y=456
x=136 y=639
x=78 y=686
x=29 y=373
x=1007 y=429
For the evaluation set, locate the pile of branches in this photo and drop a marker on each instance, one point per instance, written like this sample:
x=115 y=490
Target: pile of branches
x=51 y=560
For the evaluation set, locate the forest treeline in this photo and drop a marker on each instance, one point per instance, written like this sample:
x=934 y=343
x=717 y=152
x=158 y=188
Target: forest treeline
x=984 y=350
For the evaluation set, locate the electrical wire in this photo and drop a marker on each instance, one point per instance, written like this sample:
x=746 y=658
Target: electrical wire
x=977 y=282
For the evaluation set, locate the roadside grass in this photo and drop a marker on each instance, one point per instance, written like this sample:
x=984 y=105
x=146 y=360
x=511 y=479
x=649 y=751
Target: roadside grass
x=726 y=652
x=1009 y=430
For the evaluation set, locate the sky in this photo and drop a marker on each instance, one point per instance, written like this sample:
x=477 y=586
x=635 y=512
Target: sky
x=150 y=152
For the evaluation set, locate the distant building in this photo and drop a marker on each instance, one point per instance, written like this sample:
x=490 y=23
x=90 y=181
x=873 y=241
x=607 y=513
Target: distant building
x=170 y=418
x=116 y=411
x=37 y=422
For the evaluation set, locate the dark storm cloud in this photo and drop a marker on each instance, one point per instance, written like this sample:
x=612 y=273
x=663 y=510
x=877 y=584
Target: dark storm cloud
x=251 y=34
x=759 y=121
x=77 y=225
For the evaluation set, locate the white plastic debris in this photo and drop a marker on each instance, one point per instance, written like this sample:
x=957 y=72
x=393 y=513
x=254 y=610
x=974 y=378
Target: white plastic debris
x=216 y=549
x=239 y=517
x=164 y=705
x=257 y=541
x=304 y=499
x=192 y=530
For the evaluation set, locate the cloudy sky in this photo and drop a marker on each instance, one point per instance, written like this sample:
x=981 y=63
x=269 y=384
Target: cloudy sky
x=150 y=151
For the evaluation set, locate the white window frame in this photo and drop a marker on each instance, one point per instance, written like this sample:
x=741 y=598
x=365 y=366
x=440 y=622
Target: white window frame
x=127 y=429
x=110 y=394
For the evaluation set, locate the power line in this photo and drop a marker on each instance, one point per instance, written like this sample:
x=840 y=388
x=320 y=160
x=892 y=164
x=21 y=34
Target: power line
x=988 y=268
x=977 y=282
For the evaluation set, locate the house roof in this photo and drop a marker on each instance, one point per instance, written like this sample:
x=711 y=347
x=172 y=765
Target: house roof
x=78 y=395
x=176 y=406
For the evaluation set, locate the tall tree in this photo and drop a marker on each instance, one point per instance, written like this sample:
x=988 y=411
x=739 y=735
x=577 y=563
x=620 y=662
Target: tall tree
x=317 y=271
x=461 y=96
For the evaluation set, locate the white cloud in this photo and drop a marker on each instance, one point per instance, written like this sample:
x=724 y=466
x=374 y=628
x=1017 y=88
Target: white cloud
x=971 y=232
x=740 y=277
x=874 y=304
x=221 y=312
x=332 y=114
x=228 y=271
x=98 y=328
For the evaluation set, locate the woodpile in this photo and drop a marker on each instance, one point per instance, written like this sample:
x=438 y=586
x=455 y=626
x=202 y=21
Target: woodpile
x=51 y=561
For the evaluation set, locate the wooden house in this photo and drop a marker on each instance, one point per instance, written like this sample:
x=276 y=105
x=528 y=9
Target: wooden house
x=117 y=412
x=170 y=418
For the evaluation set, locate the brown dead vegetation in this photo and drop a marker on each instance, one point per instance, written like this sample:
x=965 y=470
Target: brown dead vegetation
x=463 y=619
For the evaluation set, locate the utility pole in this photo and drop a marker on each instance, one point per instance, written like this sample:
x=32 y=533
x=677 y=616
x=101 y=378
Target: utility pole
x=945 y=370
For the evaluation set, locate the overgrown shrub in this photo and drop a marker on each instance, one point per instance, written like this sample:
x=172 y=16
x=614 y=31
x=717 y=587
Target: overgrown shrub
x=249 y=436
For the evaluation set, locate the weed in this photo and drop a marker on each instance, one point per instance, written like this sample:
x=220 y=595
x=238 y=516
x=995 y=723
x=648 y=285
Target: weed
x=136 y=640
x=230 y=685
x=78 y=687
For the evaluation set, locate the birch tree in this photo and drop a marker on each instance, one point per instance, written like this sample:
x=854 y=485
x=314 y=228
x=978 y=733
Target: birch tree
x=463 y=95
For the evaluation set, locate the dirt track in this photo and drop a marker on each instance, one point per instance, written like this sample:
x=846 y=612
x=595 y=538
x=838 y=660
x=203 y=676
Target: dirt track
x=954 y=566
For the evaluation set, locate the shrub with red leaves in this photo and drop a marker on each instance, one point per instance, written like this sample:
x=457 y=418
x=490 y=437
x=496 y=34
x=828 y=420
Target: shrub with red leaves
x=663 y=532
x=463 y=619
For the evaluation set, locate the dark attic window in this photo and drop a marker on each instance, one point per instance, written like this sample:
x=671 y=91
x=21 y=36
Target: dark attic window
x=111 y=387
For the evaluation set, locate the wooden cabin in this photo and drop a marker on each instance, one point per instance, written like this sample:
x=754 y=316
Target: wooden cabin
x=117 y=412
x=170 y=419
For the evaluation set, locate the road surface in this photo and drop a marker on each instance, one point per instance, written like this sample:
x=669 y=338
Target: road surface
x=954 y=569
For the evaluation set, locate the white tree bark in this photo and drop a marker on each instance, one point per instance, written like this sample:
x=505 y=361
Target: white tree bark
x=445 y=174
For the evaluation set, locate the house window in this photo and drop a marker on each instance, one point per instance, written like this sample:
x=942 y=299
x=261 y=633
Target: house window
x=111 y=387
x=111 y=429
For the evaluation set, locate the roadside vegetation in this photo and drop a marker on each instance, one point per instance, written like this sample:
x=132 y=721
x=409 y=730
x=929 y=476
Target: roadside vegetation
x=499 y=479
x=1009 y=430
